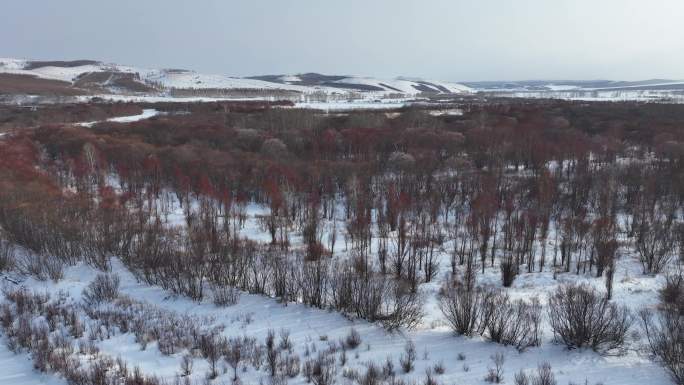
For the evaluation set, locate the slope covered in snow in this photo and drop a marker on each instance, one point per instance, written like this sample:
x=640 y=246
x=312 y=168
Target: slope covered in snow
x=57 y=72
x=17 y=369
x=191 y=79
x=113 y=77
x=368 y=84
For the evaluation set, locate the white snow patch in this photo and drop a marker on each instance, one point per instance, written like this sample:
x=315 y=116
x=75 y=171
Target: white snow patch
x=17 y=369
x=353 y=105
x=146 y=114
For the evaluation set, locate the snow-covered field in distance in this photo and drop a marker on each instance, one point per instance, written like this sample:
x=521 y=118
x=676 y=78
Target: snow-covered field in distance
x=622 y=95
x=657 y=90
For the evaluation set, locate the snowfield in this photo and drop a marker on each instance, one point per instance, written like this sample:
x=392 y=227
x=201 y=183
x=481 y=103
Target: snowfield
x=17 y=369
x=146 y=114
x=345 y=105
x=191 y=79
x=406 y=86
x=603 y=95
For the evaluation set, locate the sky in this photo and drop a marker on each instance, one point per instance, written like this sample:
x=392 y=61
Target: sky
x=457 y=40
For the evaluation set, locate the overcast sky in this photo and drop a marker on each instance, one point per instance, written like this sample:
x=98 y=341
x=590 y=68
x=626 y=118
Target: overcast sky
x=434 y=39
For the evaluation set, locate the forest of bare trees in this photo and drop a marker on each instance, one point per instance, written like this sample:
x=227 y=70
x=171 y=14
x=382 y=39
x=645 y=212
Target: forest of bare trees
x=359 y=207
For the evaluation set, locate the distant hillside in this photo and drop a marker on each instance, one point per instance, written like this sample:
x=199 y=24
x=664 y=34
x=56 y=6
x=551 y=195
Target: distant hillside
x=579 y=85
x=94 y=77
x=367 y=84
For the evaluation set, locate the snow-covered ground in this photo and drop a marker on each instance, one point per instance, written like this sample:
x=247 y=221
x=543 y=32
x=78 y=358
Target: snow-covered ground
x=343 y=105
x=146 y=114
x=254 y=315
x=191 y=79
x=405 y=86
x=603 y=95
x=17 y=369
x=162 y=98
x=447 y=112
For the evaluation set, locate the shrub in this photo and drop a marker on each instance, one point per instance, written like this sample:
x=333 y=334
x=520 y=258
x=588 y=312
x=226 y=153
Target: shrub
x=509 y=270
x=429 y=378
x=403 y=307
x=515 y=323
x=343 y=357
x=544 y=375
x=388 y=368
x=654 y=242
x=6 y=256
x=439 y=368
x=495 y=372
x=373 y=375
x=407 y=360
x=186 y=365
x=581 y=317
x=492 y=313
x=285 y=341
x=103 y=288
x=461 y=307
x=290 y=365
x=272 y=353
x=233 y=354
x=353 y=339
x=54 y=268
x=521 y=378
x=225 y=295
x=322 y=370
x=672 y=294
x=210 y=346
x=41 y=267
x=665 y=336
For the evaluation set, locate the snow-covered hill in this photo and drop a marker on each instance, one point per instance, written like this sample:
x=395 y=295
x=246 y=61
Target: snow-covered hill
x=119 y=78
x=368 y=84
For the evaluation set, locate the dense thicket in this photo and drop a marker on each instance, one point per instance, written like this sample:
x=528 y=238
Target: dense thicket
x=519 y=186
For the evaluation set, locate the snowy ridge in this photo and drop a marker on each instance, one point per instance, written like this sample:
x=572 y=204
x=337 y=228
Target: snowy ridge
x=191 y=79
x=184 y=79
x=408 y=86
x=67 y=74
